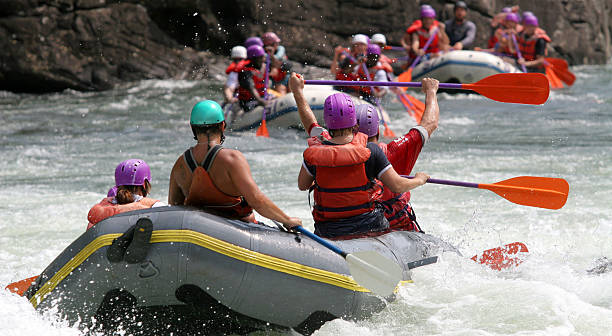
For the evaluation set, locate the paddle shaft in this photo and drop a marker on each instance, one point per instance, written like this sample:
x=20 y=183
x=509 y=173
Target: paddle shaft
x=320 y=240
x=518 y=52
x=449 y=182
x=373 y=83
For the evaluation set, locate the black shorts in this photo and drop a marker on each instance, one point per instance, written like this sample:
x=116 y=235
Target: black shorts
x=367 y=222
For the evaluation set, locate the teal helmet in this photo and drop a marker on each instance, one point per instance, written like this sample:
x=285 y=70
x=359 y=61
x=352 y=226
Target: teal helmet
x=206 y=112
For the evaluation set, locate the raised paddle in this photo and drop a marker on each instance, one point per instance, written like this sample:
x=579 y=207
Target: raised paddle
x=263 y=129
x=406 y=76
x=540 y=192
x=509 y=255
x=520 y=88
x=369 y=269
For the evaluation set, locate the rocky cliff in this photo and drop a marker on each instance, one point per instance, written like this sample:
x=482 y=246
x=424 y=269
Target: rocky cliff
x=51 y=45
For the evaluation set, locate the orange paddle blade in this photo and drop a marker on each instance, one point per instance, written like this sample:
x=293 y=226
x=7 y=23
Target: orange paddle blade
x=553 y=80
x=557 y=62
x=520 y=88
x=263 y=130
x=541 y=192
x=388 y=133
x=405 y=76
x=506 y=256
x=21 y=286
x=419 y=107
x=565 y=75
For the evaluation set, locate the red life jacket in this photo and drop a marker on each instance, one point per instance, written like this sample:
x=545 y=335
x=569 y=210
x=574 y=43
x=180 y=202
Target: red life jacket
x=528 y=45
x=362 y=76
x=341 y=188
x=424 y=34
x=106 y=208
x=398 y=210
x=234 y=66
x=203 y=192
x=244 y=94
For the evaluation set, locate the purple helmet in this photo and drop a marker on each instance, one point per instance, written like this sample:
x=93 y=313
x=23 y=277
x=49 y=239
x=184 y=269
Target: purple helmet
x=339 y=111
x=251 y=41
x=367 y=118
x=512 y=17
x=428 y=12
x=528 y=13
x=255 y=51
x=112 y=192
x=132 y=172
x=373 y=49
x=507 y=10
x=530 y=20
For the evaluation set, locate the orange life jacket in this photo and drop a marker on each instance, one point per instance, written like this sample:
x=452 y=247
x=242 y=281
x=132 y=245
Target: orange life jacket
x=424 y=34
x=244 y=94
x=528 y=45
x=106 y=208
x=398 y=210
x=342 y=188
x=234 y=66
x=203 y=192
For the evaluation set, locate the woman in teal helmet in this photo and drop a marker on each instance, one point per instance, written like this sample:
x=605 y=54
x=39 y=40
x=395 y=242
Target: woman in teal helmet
x=218 y=179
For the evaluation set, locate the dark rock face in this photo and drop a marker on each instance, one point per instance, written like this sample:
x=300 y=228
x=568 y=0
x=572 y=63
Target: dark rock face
x=51 y=45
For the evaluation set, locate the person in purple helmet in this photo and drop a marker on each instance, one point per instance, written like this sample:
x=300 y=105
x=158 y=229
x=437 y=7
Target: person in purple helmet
x=253 y=40
x=251 y=79
x=416 y=36
x=504 y=35
x=376 y=71
x=132 y=178
x=341 y=170
x=532 y=42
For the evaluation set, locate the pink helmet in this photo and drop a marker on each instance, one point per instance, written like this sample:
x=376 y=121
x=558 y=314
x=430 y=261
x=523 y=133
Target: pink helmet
x=339 y=111
x=254 y=40
x=367 y=118
x=512 y=17
x=270 y=38
x=255 y=51
x=530 y=20
x=428 y=12
x=373 y=49
x=132 y=172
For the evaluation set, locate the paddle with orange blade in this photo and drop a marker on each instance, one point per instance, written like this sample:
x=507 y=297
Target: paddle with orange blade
x=520 y=88
x=540 y=192
x=414 y=105
x=263 y=129
x=555 y=82
x=19 y=287
x=509 y=255
x=406 y=76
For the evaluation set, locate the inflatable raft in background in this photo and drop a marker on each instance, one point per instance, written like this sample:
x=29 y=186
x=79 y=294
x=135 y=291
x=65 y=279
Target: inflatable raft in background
x=283 y=111
x=462 y=66
x=215 y=275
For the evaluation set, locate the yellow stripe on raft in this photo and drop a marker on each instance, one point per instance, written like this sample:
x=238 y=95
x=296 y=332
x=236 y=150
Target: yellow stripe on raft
x=213 y=244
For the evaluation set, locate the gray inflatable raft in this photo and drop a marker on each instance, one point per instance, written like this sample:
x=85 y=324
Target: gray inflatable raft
x=222 y=275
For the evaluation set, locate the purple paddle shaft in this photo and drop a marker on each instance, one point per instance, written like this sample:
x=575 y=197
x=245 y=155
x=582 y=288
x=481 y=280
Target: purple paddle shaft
x=448 y=182
x=372 y=83
x=433 y=34
x=266 y=80
x=518 y=52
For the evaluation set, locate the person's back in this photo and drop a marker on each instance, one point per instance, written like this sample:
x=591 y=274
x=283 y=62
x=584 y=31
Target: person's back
x=216 y=179
x=132 y=179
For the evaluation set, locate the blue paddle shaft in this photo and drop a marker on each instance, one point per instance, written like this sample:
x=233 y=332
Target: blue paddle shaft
x=320 y=240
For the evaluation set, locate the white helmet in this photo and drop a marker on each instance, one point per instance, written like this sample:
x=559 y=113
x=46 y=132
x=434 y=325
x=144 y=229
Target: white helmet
x=379 y=38
x=239 y=52
x=360 y=38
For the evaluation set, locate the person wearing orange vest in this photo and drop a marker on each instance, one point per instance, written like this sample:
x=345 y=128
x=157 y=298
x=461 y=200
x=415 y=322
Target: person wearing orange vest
x=132 y=178
x=511 y=26
x=401 y=152
x=346 y=61
x=532 y=44
x=251 y=79
x=279 y=65
x=418 y=33
x=342 y=170
x=238 y=55
x=217 y=179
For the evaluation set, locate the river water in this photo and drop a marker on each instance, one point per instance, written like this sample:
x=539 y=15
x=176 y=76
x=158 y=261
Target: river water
x=59 y=152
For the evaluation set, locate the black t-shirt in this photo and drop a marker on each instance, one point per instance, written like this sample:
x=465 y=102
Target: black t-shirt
x=540 y=47
x=245 y=79
x=376 y=164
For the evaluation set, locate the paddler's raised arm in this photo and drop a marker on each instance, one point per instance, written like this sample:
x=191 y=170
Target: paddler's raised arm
x=431 y=116
x=296 y=84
